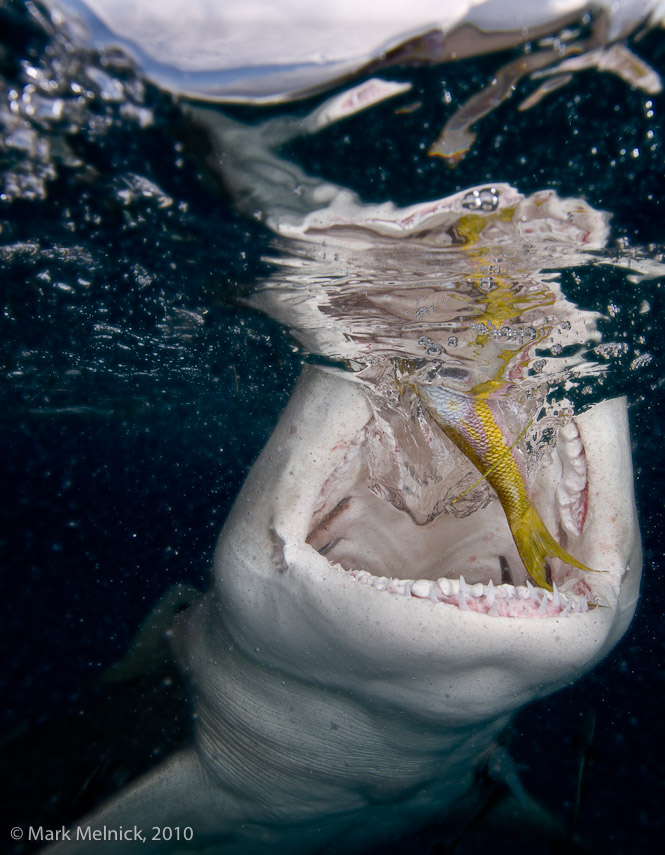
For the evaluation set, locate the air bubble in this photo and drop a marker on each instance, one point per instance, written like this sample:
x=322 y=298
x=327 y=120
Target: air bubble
x=486 y=200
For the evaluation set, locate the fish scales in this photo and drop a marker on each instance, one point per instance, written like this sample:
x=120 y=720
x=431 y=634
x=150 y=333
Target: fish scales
x=468 y=421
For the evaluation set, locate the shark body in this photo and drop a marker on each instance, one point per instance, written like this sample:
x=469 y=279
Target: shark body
x=322 y=700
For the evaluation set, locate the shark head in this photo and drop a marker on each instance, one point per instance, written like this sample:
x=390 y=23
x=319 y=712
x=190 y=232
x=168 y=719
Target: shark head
x=332 y=584
x=346 y=682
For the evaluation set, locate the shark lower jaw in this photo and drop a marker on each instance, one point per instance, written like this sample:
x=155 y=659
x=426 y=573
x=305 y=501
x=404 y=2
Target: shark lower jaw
x=505 y=600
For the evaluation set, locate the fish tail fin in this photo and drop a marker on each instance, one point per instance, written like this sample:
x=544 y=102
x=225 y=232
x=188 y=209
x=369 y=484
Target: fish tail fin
x=535 y=544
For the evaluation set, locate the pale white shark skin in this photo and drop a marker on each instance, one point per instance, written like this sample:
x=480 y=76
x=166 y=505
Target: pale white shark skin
x=321 y=702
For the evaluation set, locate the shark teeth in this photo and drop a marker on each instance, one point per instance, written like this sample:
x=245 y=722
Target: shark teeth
x=572 y=491
x=490 y=599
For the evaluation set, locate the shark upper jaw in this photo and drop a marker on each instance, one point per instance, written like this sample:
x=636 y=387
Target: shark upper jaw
x=331 y=618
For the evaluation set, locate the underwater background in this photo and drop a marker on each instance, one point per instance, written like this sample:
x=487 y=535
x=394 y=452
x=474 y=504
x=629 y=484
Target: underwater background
x=138 y=387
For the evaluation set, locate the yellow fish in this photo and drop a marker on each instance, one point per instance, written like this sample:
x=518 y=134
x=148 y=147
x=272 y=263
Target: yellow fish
x=469 y=422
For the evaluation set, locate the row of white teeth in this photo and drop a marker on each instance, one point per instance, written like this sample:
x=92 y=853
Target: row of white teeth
x=571 y=488
x=490 y=599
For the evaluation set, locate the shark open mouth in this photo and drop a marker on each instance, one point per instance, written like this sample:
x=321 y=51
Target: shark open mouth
x=466 y=559
x=333 y=550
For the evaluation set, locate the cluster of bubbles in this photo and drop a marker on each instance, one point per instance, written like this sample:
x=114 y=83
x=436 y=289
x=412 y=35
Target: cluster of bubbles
x=119 y=264
x=486 y=200
x=53 y=96
x=519 y=336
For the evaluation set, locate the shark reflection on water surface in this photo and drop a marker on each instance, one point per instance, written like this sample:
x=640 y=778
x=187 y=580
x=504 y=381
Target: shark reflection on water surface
x=372 y=624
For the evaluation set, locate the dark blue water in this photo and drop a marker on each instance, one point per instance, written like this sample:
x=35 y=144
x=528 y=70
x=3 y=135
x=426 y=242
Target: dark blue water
x=137 y=389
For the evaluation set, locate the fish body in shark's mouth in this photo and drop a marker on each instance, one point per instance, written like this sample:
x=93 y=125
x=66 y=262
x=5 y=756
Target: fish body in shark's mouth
x=470 y=422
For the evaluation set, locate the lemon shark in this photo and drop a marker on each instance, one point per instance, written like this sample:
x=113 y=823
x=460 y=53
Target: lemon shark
x=352 y=666
x=346 y=681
